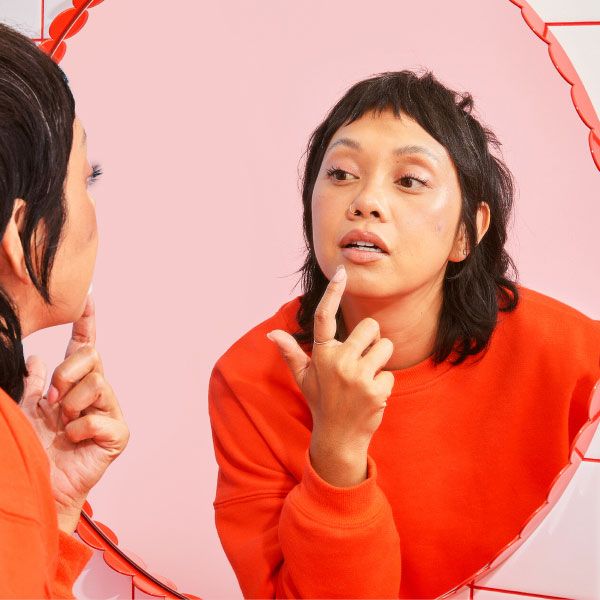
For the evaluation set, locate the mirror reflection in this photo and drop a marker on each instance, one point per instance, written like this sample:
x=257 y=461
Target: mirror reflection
x=204 y=154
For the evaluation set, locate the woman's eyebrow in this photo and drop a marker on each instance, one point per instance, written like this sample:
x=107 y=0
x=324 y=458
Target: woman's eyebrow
x=413 y=149
x=402 y=150
x=345 y=142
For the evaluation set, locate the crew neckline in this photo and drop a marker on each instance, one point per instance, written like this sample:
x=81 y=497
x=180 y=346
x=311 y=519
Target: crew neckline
x=419 y=375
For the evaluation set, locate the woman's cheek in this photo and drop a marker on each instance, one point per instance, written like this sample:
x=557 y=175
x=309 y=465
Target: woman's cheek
x=89 y=225
x=436 y=216
x=319 y=218
x=444 y=207
x=93 y=235
x=324 y=235
x=443 y=234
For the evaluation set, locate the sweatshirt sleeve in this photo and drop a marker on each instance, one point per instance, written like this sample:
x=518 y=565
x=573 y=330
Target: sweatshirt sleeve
x=587 y=356
x=73 y=555
x=36 y=560
x=290 y=538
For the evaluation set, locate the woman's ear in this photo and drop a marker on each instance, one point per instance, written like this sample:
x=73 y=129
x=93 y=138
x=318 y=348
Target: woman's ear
x=461 y=248
x=11 y=246
x=483 y=220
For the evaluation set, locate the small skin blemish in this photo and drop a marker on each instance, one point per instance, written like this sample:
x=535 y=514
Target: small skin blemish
x=439 y=227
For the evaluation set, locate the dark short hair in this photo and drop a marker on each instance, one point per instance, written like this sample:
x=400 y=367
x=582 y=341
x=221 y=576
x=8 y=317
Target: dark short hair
x=475 y=289
x=37 y=111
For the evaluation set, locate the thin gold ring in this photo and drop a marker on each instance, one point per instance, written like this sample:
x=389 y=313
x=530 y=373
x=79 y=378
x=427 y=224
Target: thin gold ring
x=321 y=343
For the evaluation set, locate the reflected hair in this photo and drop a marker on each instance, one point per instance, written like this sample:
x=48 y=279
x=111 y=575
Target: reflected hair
x=37 y=111
x=484 y=283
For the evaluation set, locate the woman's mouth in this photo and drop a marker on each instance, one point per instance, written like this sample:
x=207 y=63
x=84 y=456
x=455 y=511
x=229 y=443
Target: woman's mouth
x=363 y=252
x=367 y=246
x=361 y=246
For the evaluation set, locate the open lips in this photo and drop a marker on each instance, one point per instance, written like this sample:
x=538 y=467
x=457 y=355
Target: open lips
x=365 y=241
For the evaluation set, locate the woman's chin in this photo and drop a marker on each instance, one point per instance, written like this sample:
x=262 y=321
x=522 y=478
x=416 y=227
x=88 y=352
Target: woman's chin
x=63 y=314
x=367 y=288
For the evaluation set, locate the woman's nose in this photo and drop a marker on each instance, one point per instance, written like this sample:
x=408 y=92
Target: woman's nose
x=368 y=205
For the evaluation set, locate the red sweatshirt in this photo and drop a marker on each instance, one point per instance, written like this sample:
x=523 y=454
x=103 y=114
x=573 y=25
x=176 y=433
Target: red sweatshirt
x=36 y=559
x=464 y=455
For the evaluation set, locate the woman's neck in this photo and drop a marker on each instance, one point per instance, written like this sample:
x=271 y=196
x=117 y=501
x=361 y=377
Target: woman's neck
x=409 y=321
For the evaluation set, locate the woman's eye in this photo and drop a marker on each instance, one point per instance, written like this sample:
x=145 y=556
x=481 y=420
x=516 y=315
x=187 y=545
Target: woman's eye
x=410 y=181
x=407 y=181
x=96 y=173
x=337 y=174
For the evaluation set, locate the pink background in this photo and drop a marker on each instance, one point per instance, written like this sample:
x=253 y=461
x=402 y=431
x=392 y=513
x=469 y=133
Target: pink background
x=199 y=114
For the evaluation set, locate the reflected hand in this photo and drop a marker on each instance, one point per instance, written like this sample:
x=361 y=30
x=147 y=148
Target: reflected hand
x=344 y=386
x=79 y=422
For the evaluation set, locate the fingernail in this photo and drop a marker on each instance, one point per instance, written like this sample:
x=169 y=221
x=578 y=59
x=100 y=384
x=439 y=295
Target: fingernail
x=340 y=273
x=270 y=336
x=52 y=395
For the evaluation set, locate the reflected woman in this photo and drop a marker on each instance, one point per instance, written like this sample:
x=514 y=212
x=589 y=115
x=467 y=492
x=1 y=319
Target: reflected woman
x=389 y=431
x=47 y=254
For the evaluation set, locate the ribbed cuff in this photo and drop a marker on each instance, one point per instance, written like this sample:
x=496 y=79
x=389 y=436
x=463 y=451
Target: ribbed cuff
x=73 y=555
x=339 y=506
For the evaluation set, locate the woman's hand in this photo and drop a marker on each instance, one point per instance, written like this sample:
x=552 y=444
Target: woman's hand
x=344 y=385
x=79 y=422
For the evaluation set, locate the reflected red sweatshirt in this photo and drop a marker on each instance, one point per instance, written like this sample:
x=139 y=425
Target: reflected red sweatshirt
x=36 y=559
x=464 y=455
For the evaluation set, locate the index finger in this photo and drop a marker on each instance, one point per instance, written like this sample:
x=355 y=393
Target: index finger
x=324 y=321
x=84 y=329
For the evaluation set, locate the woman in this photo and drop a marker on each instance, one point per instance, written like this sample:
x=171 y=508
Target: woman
x=47 y=253
x=416 y=403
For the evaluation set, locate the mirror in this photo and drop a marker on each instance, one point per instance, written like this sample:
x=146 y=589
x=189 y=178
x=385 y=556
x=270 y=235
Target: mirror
x=199 y=114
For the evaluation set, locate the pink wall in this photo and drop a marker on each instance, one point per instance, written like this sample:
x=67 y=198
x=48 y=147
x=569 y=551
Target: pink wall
x=199 y=114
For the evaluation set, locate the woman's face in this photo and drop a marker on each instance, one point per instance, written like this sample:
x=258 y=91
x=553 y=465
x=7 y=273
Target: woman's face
x=387 y=176
x=75 y=258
